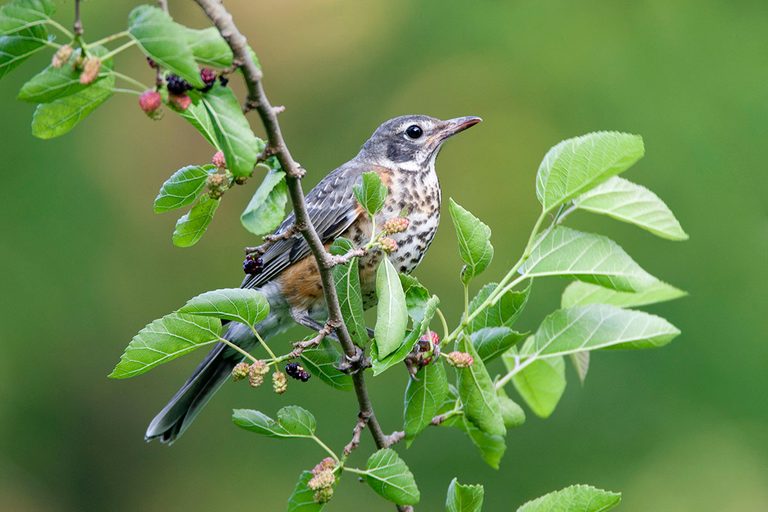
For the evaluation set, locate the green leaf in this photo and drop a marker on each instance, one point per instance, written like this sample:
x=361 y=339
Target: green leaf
x=576 y=498
x=464 y=498
x=197 y=115
x=416 y=297
x=576 y=165
x=391 y=313
x=632 y=203
x=165 y=41
x=581 y=294
x=303 y=498
x=54 y=83
x=371 y=193
x=491 y=446
x=597 y=326
x=182 y=188
x=60 y=116
x=347 y=280
x=587 y=257
x=240 y=146
x=513 y=414
x=491 y=342
x=380 y=364
x=266 y=209
x=166 y=339
x=208 y=47
x=474 y=241
x=191 y=227
x=423 y=397
x=580 y=361
x=244 y=305
x=502 y=314
x=541 y=383
x=321 y=361
x=391 y=479
x=19 y=15
x=478 y=394
x=292 y=421
x=17 y=48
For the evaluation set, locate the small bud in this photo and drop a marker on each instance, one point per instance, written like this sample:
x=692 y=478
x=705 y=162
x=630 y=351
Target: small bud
x=218 y=160
x=297 y=371
x=241 y=180
x=91 y=68
x=279 y=383
x=253 y=265
x=396 y=225
x=460 y=359
x=217 y=185
x=324 y=465
x=180 y=102
x=208 y=76
x=388 y=245
x=240 y=371
x=323 y=495
x=61 y=56
x=256 y=373
x=150 y=102
x=432 y=337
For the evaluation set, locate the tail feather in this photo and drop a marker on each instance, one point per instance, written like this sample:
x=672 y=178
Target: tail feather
x=207 y=378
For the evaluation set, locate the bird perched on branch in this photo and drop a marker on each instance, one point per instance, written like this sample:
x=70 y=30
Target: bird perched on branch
x=402 y=151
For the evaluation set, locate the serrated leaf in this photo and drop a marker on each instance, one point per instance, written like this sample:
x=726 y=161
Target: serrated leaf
x=370 y=192
x=632 y=203
x=464 y=498
x=164 y=340
x=576 y=498
x=391 y=479
x=17 y=48
x=240 y=146
x=182 y=188
x=380 y=364
x=347 y=280
x=416 y=297
x=266 y=209
x=478 y=394
x=197 y=115
x=292 y=421
x=60 y=116
x=576 y=165
x=303 y=498
x=597 y=326
x=391 y=313
x=191 y=227
x=423 y=397
x=581 y=294
x=491 y=342
x=587 y=257
x=491 y=446
x=19 y=15
x=502 y=314
x=474 y=239
x=208 y=47
x=54 y=83
x=541 y=383
x=321 y=362
x=244 y=305
x=165 y=41
x=513 y=414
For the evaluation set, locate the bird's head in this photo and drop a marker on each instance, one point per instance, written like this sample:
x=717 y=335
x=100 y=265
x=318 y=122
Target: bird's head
x=412 y=142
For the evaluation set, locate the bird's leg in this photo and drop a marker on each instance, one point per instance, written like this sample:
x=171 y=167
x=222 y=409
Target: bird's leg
x=301 y=317
x=348 y=364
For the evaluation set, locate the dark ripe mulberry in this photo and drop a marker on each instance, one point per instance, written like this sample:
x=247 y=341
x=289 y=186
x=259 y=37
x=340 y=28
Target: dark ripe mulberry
x=297 y=371
x=177 y=85
x=208 y=76
x=223 y=80
x=253 y=265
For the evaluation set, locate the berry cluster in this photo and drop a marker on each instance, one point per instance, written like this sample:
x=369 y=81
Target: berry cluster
x=297 y=371
x=460 y=359
x=387 y=245
x=427 y=349
x=323 y=480
x=253 y=264
x=279 y=383
x=396 y=225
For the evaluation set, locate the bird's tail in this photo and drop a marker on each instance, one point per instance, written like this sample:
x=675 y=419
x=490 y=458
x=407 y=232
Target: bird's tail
x=207 y=378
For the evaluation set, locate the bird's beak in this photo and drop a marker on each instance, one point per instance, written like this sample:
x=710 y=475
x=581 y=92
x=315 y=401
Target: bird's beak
x=459 y=124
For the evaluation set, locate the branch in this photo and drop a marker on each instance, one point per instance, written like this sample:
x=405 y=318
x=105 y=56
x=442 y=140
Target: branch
x=257 y=98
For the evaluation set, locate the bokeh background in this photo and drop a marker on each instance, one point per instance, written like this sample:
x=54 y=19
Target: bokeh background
x=86 y=263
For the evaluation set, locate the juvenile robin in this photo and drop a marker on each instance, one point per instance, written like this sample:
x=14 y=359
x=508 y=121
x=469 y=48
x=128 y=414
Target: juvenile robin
x=402 y=151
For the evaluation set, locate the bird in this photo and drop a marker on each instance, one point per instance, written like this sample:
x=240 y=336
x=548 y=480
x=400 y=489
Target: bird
x=402 y=151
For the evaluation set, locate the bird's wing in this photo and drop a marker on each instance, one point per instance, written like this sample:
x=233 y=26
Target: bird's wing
x=331 y=206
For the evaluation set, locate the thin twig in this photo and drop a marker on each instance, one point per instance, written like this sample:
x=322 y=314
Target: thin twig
x=362 y=421
x=270 y=240
x=163 y=4
x=223 y=21
x=77 y=26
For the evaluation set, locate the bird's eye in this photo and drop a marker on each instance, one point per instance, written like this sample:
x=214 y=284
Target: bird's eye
x=414 y=131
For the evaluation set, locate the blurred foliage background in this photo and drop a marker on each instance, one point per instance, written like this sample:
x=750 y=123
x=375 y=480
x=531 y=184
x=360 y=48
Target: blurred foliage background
x=86 y=263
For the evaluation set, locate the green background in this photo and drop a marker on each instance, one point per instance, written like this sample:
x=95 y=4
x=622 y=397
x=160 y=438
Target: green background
x=86 y=263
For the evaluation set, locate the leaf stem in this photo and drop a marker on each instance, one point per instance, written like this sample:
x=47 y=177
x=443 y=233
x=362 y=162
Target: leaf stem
x=119 y=49
x=59 y=26
x=110 y=38
x=263 y=343
x=127 y=91
x=235 y=347
x=130 y=80
x=514 y=371
x=325 y=447
x=356 y=471
x=446 y=330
